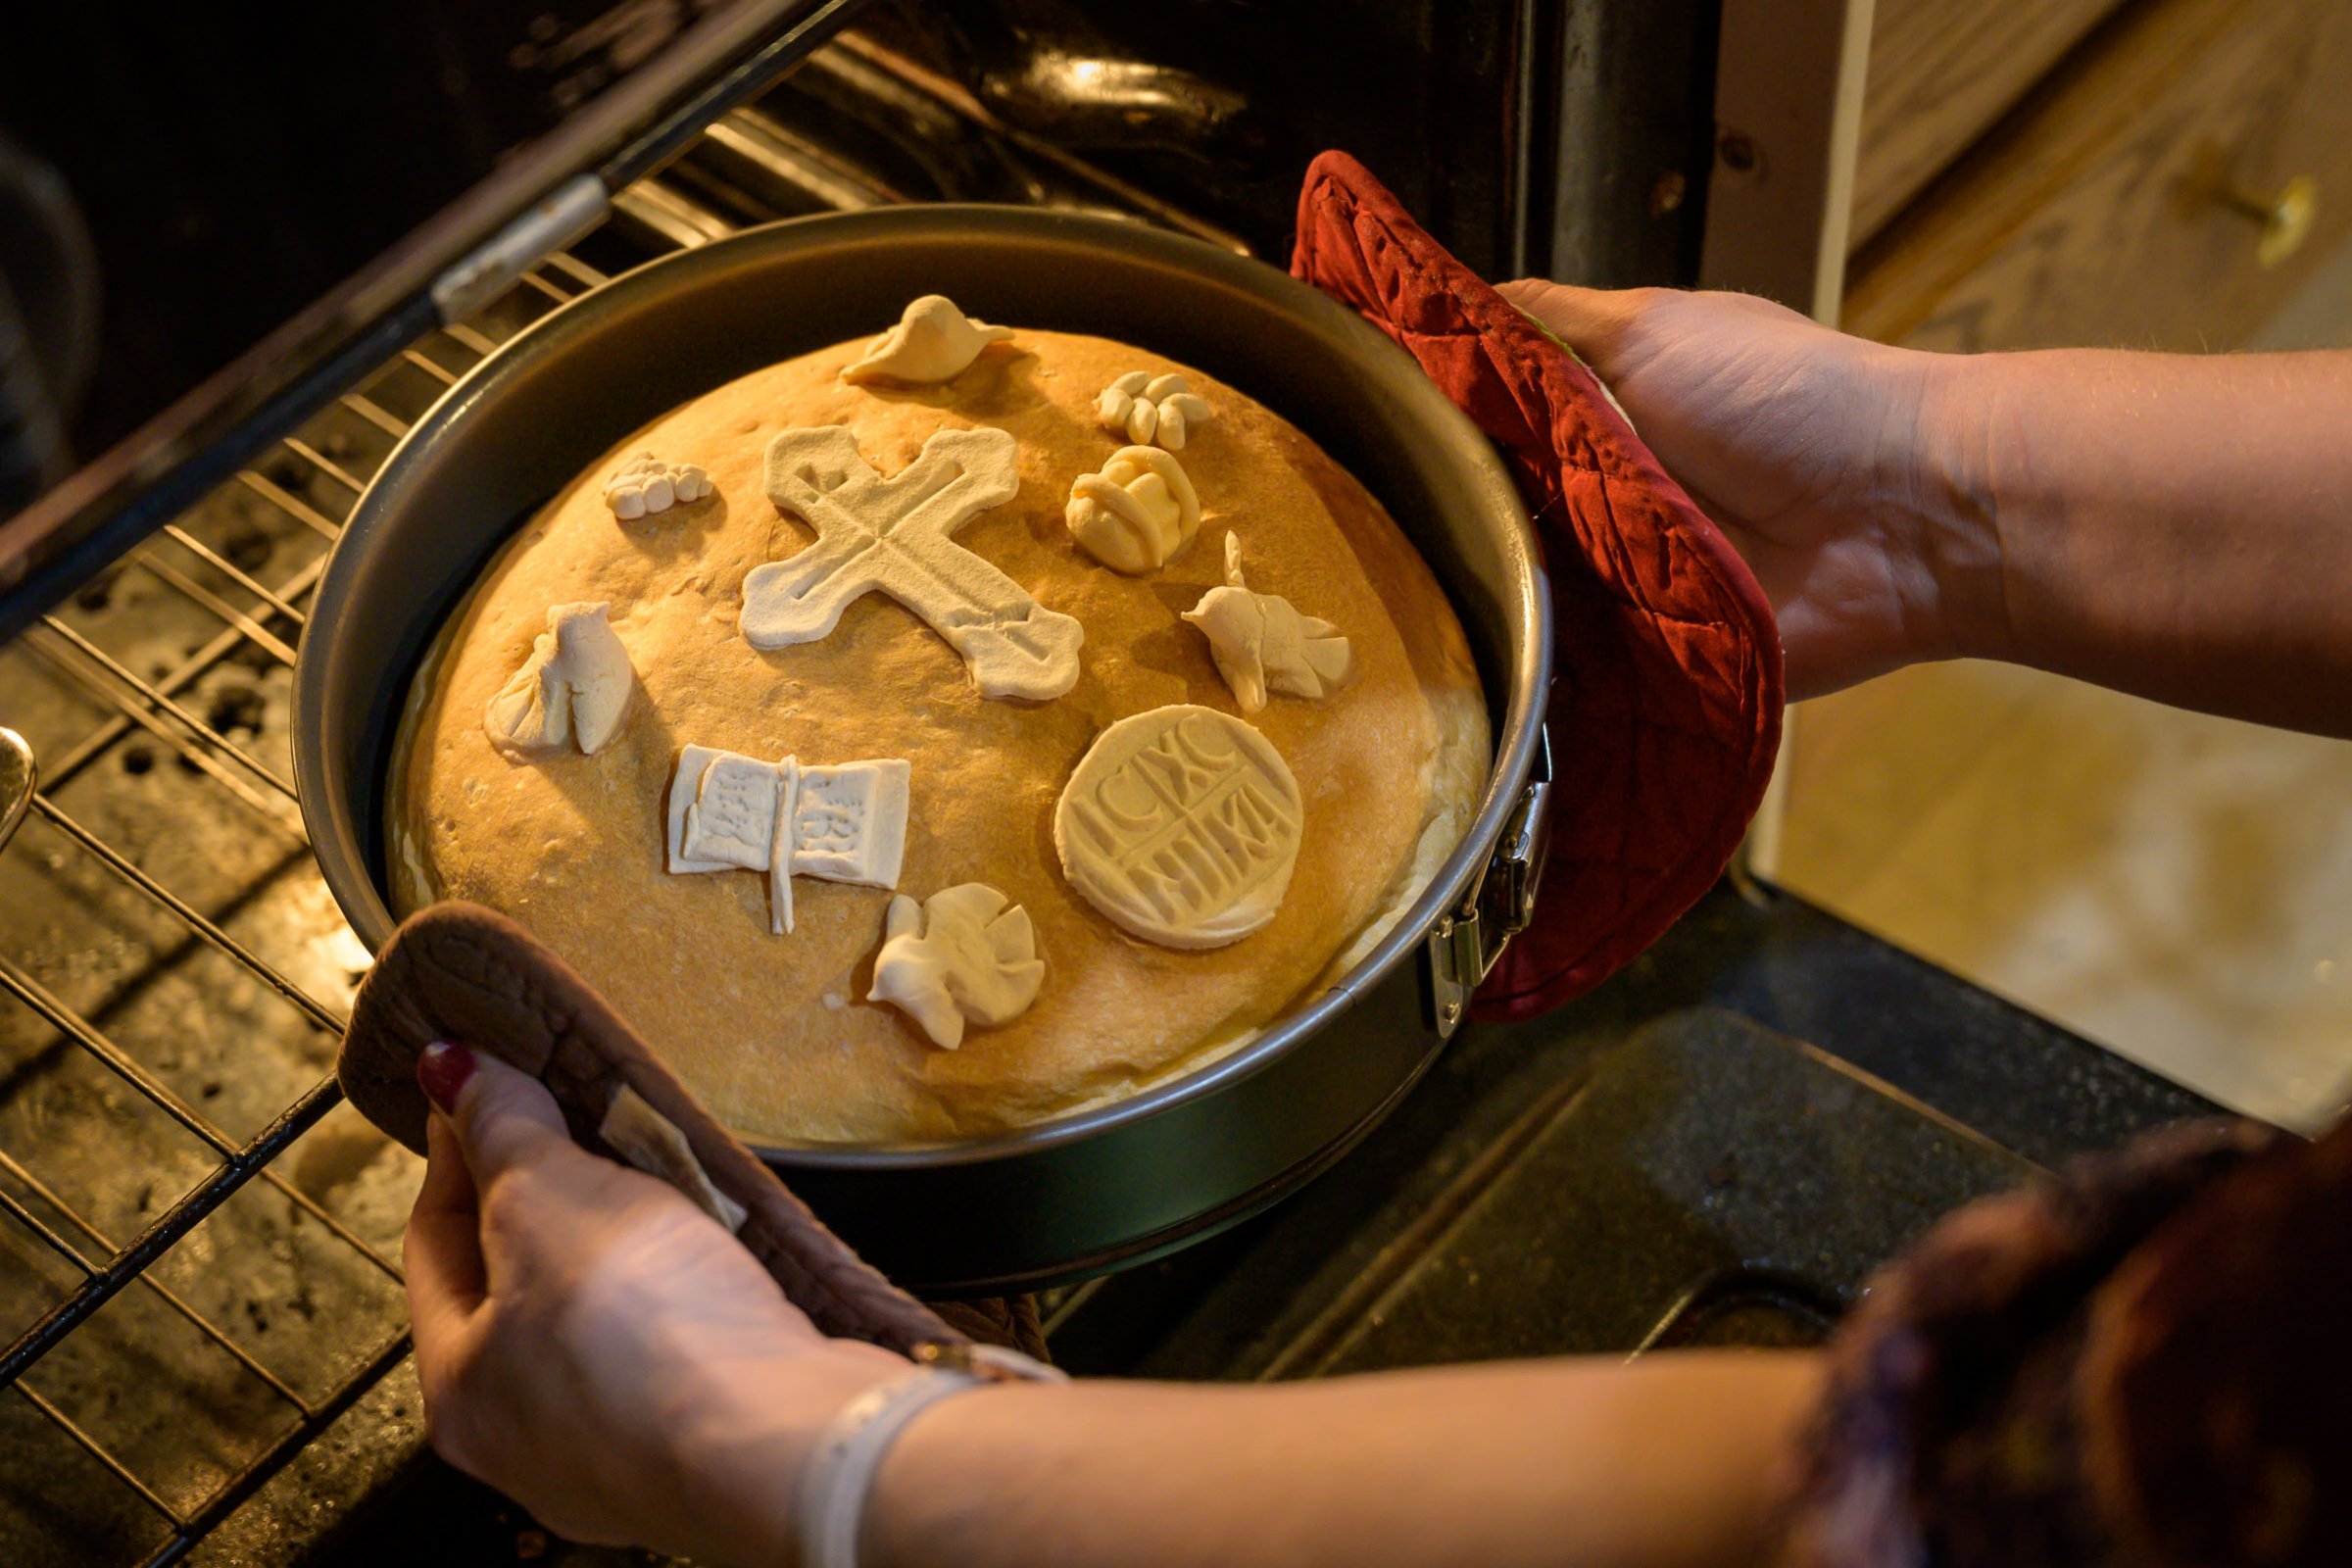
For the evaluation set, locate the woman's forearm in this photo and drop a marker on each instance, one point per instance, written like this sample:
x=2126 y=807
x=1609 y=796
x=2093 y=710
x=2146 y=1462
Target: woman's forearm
x=2171 y=525
x=1666 y=1463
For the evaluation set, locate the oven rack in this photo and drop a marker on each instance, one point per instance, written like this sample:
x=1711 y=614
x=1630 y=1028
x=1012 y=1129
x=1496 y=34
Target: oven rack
x=246 y=618
x=266 y=618
x=265 y=622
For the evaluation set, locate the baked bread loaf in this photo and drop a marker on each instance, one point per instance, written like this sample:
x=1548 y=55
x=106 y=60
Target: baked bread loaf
x=774 y=1031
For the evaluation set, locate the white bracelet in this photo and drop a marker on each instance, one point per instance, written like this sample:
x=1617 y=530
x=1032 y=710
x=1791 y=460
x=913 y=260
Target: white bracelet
x=840 y=1471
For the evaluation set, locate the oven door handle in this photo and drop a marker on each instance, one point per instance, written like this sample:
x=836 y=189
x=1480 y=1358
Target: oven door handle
x=538 y=232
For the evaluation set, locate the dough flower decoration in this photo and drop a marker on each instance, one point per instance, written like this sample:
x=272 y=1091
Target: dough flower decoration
x=965 y=955
x=1136 y=513
x=645 y=485
x=933 y=342
x=1261 y=641
x=574 y=688
x=1151 y=409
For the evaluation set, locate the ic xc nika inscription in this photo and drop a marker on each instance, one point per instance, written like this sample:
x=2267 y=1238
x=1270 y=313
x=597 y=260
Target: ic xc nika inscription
x=1182 y=825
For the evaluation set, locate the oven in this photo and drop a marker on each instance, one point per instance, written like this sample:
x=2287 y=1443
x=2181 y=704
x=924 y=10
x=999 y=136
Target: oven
x=206 y=1350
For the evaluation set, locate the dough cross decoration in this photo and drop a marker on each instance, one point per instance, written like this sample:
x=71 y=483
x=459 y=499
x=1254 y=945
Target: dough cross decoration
x=897 y=537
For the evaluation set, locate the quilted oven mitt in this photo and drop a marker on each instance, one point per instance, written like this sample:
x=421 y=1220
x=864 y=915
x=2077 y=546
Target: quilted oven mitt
x=459 y=971
x=1666 y=699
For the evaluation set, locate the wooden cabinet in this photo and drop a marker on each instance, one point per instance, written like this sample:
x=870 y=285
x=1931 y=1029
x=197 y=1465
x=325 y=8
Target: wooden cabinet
x=2093 y=171
x=2124 y=199
x=1940 y=73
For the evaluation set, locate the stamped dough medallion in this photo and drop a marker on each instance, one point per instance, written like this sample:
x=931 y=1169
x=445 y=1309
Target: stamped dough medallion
x=1181 y=826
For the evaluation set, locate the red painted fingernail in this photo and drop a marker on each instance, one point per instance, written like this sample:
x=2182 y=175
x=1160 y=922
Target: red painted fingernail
x=442 y=1071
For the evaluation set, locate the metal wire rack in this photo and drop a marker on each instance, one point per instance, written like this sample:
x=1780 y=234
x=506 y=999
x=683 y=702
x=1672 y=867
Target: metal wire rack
x=260 y=619
x=173 y=1417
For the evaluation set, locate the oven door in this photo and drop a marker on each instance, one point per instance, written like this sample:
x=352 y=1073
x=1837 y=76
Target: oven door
x=394 y=171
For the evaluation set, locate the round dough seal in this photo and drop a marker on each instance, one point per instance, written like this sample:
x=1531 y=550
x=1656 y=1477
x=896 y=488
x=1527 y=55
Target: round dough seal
x=1182 y=825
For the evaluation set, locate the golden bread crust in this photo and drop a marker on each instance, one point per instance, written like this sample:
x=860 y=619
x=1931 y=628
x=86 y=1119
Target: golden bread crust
x=774 y=1032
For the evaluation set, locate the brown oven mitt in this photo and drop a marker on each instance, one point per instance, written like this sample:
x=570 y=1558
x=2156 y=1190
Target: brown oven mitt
x=459 y=973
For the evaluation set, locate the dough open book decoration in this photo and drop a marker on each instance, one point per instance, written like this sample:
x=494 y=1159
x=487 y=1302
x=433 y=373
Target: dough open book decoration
x=897 y=537
x=846 y=823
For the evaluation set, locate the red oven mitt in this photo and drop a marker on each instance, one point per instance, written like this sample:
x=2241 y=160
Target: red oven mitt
x=1665 y=707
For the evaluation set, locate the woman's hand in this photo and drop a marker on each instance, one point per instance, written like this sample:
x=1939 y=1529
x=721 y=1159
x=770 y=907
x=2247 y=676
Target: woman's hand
x=597 y=1348
x=1830 y=463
